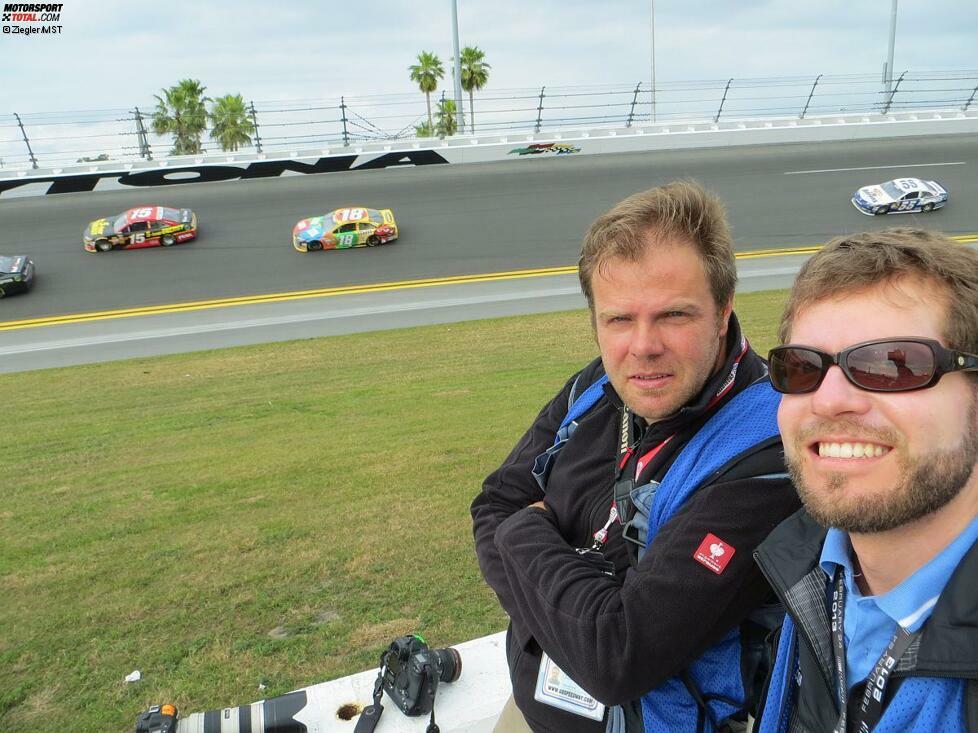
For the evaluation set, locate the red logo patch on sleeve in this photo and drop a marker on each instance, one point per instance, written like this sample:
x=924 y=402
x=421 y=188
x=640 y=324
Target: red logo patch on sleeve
x=714 y=553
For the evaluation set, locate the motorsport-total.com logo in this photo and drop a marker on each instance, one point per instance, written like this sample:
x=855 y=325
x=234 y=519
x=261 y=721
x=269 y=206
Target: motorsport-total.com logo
x=25 y=17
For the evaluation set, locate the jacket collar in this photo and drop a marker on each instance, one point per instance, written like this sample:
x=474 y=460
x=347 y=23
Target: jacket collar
x=948 y=645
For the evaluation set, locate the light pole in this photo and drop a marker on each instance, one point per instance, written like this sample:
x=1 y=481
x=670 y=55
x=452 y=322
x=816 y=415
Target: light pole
x=888 y=69
x=652 y=14
x=459 y=119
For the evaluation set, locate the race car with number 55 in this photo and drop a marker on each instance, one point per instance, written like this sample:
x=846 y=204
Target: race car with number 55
x=143 y=226
x=900 y=196
x=345 y=228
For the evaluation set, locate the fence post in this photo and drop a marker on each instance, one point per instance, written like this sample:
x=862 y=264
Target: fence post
x=717 y=118
x=346 y=136
x=26 y=141
x=254 y=123
x=540 y=110
x=889 y=101
x=631 y=112
x=970 y=100
x=144 y=150
x=810 y=95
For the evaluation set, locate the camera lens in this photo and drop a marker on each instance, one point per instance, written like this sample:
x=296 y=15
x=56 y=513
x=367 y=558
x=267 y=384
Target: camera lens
x=449 y=663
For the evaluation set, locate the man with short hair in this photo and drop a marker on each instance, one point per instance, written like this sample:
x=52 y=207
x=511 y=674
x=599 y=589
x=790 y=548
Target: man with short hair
x=879 y=418
x=618 y=532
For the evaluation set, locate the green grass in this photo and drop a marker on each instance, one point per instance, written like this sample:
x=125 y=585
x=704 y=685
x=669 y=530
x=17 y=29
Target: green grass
x=265 y=515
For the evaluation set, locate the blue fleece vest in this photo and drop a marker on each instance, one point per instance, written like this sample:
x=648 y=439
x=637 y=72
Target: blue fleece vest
x=748 y=419
x=921 y=705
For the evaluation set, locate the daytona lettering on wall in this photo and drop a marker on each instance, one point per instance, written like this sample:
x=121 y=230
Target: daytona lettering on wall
x=212 y=173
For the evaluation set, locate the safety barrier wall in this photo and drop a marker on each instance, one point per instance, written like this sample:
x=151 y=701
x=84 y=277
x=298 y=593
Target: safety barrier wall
x=465 y=150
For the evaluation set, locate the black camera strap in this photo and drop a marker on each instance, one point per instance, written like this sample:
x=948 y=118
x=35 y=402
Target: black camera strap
x=432 y=727
x=371 y=714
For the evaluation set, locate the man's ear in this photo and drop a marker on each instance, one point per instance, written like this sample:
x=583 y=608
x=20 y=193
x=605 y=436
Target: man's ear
x=724 y=316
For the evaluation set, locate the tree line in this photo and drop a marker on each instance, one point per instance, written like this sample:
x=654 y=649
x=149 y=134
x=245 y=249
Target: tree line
x=183 y=111
x=428 y=71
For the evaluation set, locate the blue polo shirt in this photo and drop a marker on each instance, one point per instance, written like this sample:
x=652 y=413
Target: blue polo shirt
x=871 y=621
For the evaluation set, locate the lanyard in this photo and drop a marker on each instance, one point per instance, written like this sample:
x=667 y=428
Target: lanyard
x=621 y=491
x=870 y=709
x=626 y=447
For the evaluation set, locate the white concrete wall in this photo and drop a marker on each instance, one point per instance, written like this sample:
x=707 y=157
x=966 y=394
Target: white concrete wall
x=639 y=138
x=471 y=704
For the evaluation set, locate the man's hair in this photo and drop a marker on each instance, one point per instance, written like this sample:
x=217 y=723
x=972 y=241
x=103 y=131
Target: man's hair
x=683 y=212
x=856 y=262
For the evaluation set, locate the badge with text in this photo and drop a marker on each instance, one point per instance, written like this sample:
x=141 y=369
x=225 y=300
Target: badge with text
x=556 y=689
x=714 y=553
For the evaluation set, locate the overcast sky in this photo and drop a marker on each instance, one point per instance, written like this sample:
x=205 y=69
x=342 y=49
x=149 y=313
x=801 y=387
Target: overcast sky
x=118 y=53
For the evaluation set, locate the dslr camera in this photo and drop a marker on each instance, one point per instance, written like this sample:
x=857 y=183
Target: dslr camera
x=413 y=672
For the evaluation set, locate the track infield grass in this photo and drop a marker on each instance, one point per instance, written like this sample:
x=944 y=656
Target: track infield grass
x=270 y=515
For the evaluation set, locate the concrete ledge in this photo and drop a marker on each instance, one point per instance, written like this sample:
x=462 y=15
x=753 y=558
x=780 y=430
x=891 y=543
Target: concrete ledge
x=471 y=704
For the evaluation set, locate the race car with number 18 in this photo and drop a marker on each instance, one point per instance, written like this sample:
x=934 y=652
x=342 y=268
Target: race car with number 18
x=345 y=228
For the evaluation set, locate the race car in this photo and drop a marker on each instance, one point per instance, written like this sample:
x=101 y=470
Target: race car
x=16 y=274
x=143 y=226
x=900 y=196
x=345 y=228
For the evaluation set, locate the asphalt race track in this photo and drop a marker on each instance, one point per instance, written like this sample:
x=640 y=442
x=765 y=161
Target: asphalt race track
x=521 y=214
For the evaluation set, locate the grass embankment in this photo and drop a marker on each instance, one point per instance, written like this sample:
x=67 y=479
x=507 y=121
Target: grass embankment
x=265 y=515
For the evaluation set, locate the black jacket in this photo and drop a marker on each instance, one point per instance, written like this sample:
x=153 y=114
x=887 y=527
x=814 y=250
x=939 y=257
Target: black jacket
x=948 y=646
x=619 y=637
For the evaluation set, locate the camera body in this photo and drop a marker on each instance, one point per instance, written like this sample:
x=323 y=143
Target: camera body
x=413 y=672
x=158 y=719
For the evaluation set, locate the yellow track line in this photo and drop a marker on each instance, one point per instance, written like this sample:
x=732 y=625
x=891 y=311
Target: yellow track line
x=360 y=289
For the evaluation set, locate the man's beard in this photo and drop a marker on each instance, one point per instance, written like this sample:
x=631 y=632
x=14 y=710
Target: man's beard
x=926 y=484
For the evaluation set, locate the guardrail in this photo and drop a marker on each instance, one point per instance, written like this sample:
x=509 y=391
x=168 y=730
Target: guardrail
x=49 y=140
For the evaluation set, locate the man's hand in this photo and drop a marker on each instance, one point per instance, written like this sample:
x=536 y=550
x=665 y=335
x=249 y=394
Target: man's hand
x=539 y=505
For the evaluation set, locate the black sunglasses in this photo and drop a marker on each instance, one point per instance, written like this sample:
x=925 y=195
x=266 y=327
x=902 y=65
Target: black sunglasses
x=887 y=365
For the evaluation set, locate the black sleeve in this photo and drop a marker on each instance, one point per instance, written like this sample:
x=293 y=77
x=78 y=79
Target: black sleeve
x=509 y=489
x=620 y=639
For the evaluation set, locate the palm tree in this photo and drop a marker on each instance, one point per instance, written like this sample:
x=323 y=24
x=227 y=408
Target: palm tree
x=230 y=124
x=447 y=123
x=475 y=74
x=426 y=73
x=424 y=129
x=180 y=112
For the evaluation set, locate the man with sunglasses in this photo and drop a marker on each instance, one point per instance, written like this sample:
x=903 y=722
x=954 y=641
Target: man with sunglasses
x=879 y=417
x=618 y=535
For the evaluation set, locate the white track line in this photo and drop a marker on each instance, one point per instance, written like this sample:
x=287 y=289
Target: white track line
x=873 y=168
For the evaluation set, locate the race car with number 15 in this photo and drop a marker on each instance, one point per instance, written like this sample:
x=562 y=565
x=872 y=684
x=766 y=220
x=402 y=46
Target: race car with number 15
x=143 y=226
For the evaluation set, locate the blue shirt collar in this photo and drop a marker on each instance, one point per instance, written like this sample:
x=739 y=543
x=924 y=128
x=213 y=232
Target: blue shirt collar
x=911 y=602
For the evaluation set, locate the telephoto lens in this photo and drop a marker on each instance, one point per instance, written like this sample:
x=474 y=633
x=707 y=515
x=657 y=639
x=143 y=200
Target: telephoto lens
x=449 y=663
